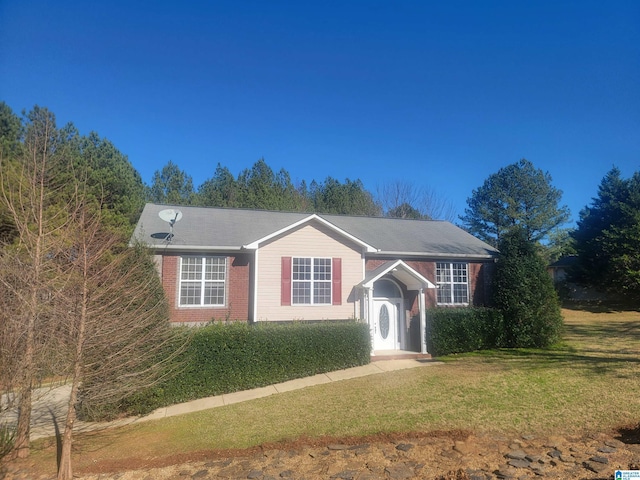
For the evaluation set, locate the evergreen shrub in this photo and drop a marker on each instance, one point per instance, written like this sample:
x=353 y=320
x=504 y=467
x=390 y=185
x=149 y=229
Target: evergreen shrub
x=457 y=330
x=228 y=357
x=523 y=291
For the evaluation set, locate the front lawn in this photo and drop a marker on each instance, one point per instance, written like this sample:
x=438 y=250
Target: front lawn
x=587 y=383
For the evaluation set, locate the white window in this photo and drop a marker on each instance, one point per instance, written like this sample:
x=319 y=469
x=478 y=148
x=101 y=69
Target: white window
x=202 y=281
x=453 y=283
x=311 y=281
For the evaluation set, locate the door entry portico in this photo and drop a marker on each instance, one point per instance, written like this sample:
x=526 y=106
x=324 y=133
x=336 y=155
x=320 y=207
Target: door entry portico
x=384 y=304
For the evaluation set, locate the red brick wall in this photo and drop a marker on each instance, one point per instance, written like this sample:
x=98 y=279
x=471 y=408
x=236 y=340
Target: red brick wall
x=479 y=280
x=237 y=293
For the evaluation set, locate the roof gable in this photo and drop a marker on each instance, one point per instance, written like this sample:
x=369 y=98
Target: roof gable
x=309 y=219
x=412 y=279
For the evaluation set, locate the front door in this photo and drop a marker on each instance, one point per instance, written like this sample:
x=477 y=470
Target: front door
x=386 y=325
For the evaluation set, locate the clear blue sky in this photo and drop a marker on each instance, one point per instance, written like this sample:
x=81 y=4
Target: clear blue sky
x=438 y=93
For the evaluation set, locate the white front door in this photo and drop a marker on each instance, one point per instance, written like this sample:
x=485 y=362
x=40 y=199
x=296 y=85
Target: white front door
x=385 y=325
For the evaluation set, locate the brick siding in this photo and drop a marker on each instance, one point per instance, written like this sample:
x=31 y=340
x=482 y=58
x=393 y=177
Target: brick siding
x=237 y=292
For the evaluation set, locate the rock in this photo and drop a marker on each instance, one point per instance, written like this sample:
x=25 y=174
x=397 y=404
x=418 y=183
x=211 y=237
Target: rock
x=255 y=474
x=363 y=446
x=599 y=459
x=516 y=455
x=614 y=443
x=399 y=472
x=555 y=453
x=404 y=447
x=286 y=474
x=200 y=474
x=607 y=449
x=338 y=446
x=595 y=467
x=519 y=463
x=504 y=474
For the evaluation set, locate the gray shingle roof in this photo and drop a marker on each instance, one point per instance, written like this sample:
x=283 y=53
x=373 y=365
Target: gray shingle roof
x=208 y=228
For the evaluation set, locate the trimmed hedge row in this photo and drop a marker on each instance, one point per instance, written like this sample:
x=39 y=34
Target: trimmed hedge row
x=457 y=330
x=225 y=358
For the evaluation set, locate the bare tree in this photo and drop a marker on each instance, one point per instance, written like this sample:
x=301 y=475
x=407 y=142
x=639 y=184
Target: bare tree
x=113 y=321
x=31 y=199
x=403 y=199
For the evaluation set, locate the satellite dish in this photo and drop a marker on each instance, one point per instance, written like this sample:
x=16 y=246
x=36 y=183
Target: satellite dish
x=170 y=215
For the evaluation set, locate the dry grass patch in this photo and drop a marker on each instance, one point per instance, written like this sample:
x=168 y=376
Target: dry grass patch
x=588 y=383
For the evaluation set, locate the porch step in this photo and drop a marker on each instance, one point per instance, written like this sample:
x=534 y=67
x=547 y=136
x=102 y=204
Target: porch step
x=398 y=355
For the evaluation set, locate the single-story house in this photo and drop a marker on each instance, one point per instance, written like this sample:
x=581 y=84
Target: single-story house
x=266 y=266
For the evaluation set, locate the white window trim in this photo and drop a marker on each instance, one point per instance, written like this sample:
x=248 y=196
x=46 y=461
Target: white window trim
x=312 y=302
x=203 y=282
x=452 y=283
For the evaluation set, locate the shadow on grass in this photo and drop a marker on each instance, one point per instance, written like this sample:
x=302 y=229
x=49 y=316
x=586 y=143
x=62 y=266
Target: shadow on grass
x=624 y=331
x=621 y=362
x=599 y=307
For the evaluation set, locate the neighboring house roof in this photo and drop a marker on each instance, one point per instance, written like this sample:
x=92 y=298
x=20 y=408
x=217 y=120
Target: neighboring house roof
x=208 y=228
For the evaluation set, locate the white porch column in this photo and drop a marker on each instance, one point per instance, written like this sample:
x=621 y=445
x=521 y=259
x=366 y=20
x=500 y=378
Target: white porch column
x=423 y=322
x=368 y=300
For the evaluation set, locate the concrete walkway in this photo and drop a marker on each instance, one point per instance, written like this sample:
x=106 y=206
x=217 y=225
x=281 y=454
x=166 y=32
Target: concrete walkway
x=50 y=404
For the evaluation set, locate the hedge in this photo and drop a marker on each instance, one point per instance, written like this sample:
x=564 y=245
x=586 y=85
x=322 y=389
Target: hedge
x=457 y=330
x=228 y=357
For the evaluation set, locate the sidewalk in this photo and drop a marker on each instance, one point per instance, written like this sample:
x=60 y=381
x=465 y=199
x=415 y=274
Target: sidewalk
x=49 y=405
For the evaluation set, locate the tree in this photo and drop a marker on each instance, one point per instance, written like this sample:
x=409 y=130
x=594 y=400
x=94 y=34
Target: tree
x=112 y=320
x=112 y=180
x=607 y=238
x=523 y=291
x=75 y=300
x=261 y=188
x=348 y=198
x=401 y=199
x=221 y=190
x=171 y=185
x=518 y=195
x=10 y=132
x=33 y=197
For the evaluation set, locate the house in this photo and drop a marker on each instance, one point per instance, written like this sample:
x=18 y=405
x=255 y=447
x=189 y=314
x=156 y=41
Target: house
x=560 y=268
x=265 y=266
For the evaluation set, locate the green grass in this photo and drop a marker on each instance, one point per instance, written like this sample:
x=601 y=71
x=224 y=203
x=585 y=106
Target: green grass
x=587 y=383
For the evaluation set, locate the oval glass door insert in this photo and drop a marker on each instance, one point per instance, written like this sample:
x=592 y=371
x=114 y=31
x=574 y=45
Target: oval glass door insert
x=383 y=321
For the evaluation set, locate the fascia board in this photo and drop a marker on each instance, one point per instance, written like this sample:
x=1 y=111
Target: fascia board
x=255 y=244
x=201 y=248
x=399 y=263
x=473 y=256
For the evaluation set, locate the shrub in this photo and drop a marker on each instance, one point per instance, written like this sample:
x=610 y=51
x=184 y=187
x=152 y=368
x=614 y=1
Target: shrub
x=457 y=330
x=224 y=358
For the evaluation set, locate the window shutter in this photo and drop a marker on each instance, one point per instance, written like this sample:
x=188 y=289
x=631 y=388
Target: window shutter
x=285 y=284
x=336 y=281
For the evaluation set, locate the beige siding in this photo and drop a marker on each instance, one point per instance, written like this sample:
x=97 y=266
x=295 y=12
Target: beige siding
x=309 y=240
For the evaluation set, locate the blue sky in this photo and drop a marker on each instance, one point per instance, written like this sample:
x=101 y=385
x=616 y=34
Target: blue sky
x=438 y=94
